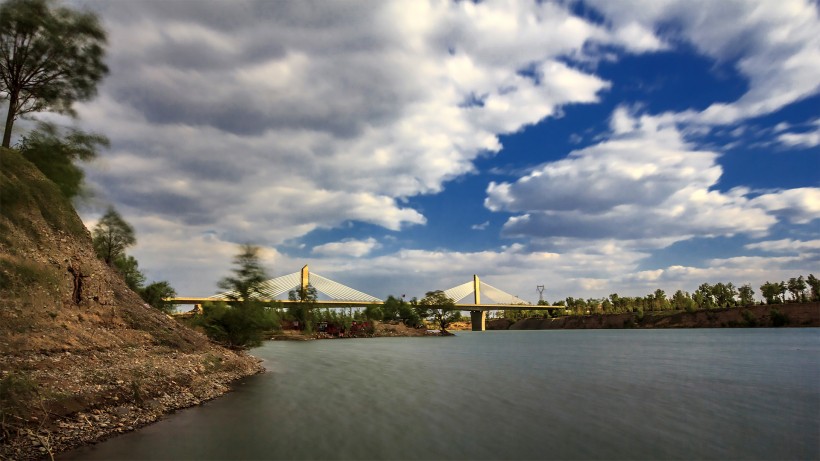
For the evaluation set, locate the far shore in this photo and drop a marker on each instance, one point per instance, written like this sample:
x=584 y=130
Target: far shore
x=758 y=316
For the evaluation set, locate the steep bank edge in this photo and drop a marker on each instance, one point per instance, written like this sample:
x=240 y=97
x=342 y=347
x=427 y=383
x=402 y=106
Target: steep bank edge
x=81 y=356
x=791 y=315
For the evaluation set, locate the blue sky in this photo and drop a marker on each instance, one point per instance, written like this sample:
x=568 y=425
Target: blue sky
x=399 y=147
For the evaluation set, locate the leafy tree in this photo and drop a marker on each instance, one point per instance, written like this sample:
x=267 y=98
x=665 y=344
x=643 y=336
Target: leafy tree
x=814 y=285
x=746 y=294
x=111 y=236
x=242 y=324
x=724 y=294
x=440 y=308
x=373 y=312
x=248 y=275
x=682 y=301
x=49 y=57
x=306 y=297
x=771 y=292
x=55 y=154
x=797 y=287
x=704 y=297
x=128 y=267
x=156 y=293
x=660 y=303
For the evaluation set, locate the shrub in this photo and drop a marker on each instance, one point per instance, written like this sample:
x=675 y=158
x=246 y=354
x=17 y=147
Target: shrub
x=241 y=325
x=778 y=318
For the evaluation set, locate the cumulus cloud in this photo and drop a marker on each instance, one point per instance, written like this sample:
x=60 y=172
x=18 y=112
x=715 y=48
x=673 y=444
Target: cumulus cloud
x=645 y=183
x=266 y=121
x=350 y=247
x=800 y=206
x=257 y=121
x=775 y=45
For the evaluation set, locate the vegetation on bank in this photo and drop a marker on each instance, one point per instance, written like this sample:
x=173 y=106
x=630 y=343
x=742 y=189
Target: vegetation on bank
x=706 y=297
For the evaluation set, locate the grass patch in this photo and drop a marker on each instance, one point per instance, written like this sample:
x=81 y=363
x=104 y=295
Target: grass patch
x=25 y=190
x=15 y=274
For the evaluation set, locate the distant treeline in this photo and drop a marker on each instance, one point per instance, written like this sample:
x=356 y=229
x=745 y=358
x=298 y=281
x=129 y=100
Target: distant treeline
x=720 y=295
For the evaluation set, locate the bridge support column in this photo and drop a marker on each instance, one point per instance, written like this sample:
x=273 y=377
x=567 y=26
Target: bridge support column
x=478 y=319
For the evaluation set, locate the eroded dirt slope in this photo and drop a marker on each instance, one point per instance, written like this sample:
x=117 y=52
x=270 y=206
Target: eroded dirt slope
x=81 y=356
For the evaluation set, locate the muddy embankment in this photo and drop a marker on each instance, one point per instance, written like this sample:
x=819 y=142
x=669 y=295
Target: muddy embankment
x=779 y=315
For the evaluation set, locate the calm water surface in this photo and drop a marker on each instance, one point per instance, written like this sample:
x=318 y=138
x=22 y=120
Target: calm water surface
x=596 y=394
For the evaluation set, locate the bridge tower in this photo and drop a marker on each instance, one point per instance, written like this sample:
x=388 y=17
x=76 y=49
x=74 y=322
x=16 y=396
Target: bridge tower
x=478 y=319
x=305 y=278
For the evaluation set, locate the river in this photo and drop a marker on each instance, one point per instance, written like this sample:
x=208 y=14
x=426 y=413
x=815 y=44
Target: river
x=572 y=394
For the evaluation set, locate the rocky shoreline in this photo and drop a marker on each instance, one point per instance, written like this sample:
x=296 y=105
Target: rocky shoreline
x=87 y=396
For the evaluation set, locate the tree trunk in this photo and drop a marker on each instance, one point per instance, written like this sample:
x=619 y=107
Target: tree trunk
x=13 y=97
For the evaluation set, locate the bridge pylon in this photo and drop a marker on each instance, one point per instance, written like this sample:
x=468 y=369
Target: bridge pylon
x=478 y=319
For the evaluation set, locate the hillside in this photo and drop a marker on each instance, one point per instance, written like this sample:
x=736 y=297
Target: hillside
x=81 y=356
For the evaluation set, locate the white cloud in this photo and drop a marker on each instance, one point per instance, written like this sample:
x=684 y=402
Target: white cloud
x=800 y=206
x=351 y=247
x=775 y=45
x=786 y=246
x=803 y=139
x=644 y=185
x=481 y=226
x=243 y=119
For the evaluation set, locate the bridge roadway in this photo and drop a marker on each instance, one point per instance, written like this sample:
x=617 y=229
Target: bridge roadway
x=346 y=295
x=329 y=303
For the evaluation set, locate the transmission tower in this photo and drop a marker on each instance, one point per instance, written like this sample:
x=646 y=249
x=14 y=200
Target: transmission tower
x=540 y=289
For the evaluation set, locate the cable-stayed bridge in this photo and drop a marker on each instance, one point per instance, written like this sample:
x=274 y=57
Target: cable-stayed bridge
x=344 y=296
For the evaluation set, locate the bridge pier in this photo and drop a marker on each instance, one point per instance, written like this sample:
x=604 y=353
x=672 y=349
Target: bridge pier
x=478 y=319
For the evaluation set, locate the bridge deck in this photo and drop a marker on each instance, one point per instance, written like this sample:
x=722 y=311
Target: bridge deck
x=325 y=303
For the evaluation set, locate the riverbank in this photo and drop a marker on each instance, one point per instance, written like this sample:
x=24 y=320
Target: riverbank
x=381 y=329
x=86 y=396
x=82 y=357
x=778 y=315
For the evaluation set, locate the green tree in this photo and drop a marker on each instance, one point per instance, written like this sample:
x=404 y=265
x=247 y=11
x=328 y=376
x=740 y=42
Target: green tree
x=814 y=285
x=440 y=308
x=111 y=236
x=303 y=311
x=243 y=323
x=659 y=301
x=746 y=294
x=771 y=292
x=128 y=267
x=682 y=301
x=156 y=294
x=373 y=312
x=704 y=297
x=50 y=57
x=724 y=294
x=248 y=275
x=797 y=287
x=55 y=154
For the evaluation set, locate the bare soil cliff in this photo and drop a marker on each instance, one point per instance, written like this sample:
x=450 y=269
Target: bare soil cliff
x=81 y=356
x=779 y=315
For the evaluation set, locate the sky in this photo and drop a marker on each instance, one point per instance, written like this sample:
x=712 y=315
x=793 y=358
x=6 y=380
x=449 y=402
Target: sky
x=593 y=147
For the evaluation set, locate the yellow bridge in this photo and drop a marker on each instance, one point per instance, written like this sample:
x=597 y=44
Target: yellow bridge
x=344 y=296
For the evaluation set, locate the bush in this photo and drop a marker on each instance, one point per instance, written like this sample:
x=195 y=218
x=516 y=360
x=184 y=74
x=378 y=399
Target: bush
x=778 y=318
x=239 y=326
